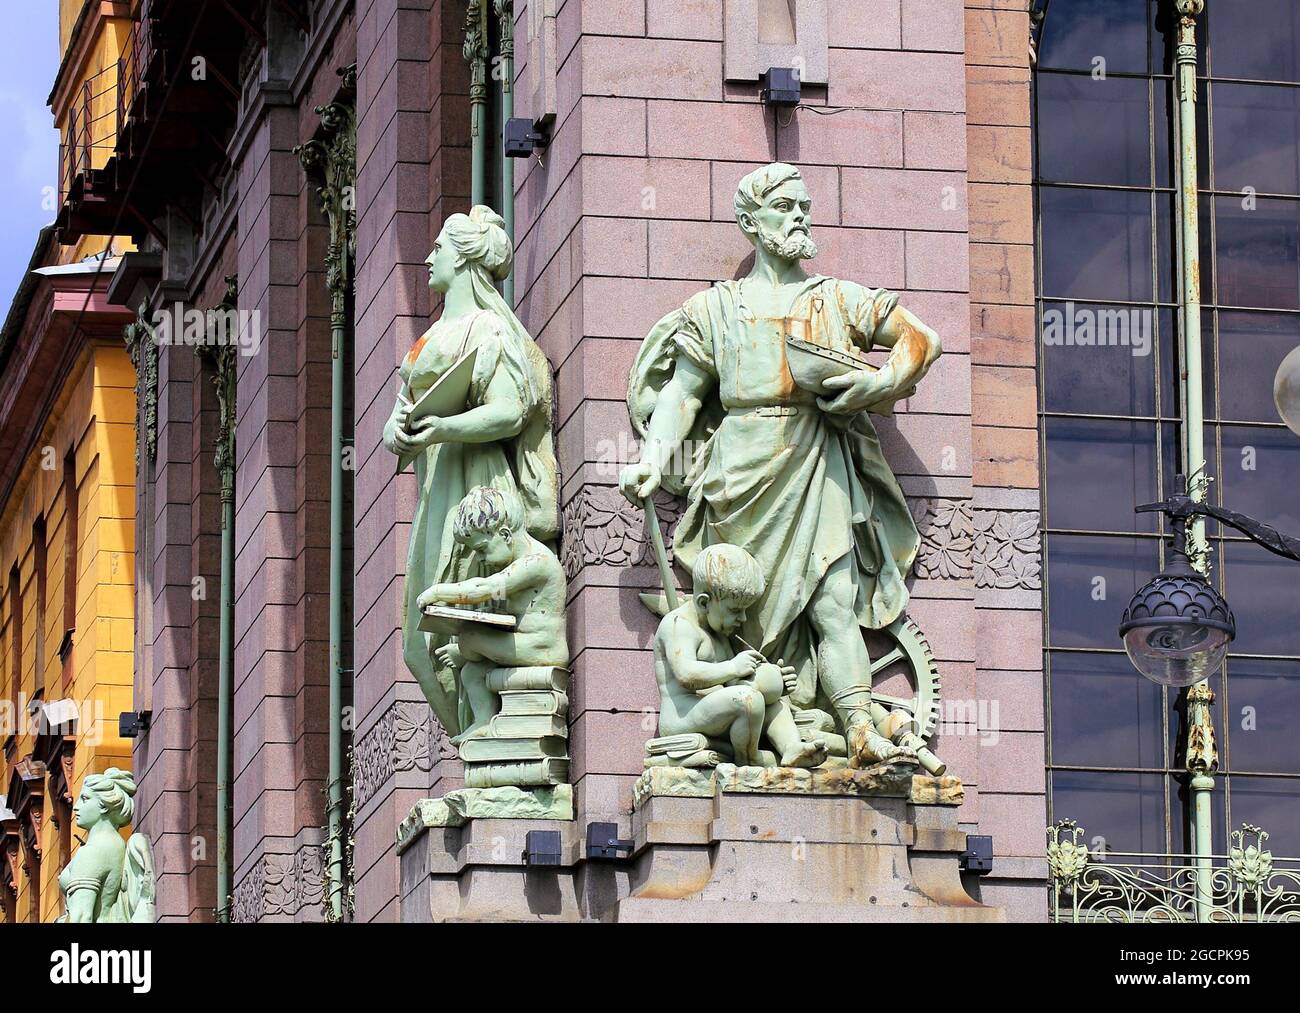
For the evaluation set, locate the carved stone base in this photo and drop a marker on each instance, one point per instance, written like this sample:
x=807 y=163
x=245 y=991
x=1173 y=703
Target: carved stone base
x=458 y=807
x=723 y=845
x=476 y=872
x=747 y=843
x=884 y=781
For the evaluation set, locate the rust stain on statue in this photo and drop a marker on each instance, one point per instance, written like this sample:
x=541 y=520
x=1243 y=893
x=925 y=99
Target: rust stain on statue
x=913 y=345
x=416 y=348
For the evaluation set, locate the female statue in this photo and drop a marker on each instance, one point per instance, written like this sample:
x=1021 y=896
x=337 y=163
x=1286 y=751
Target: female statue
x=502 y=439
x=108 y=879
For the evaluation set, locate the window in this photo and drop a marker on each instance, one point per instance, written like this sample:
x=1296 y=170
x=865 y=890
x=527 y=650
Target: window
x=38 y=555
x=15 y=642
x=1108 y=367
x=71 y=513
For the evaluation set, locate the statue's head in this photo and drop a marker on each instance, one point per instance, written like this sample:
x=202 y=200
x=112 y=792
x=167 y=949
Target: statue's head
x=726 y=580
x=110 y=795
x=774 y=209
x=477 y=240
x=487 y=523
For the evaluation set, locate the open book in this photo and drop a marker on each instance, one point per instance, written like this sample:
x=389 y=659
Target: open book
x=445 y=398
x=448 y=619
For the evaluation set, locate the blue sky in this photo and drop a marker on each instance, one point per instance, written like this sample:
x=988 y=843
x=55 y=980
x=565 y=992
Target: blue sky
x=29 y=145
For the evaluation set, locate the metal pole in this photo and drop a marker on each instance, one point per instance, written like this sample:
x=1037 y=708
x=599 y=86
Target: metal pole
x=506 y=15
x=1201 y=754
x=336 y=617
x=225 y=682
x=476 y=52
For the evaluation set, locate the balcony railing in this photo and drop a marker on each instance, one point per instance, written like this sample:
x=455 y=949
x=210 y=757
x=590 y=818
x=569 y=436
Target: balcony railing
x=94 y=122
x=1248 y=884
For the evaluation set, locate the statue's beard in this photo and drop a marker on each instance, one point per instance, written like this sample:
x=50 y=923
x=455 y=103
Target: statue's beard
x=796 y=246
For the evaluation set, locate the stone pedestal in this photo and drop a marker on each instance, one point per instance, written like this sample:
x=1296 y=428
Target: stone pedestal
x=725 y=844
x=463 y=860
x=751 y=843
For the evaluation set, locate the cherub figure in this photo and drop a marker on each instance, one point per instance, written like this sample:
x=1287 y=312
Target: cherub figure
x=524 y=580
x=706 y=687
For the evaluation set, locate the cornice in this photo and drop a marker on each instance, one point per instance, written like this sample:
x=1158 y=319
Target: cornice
x=87 y=29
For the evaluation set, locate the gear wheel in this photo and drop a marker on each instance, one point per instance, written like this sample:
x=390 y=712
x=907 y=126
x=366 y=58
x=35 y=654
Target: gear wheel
x=913 y=651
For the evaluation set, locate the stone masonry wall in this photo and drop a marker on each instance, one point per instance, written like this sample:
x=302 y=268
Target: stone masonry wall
x=622 y=217
x=412 y=170
x=629 y=212
x=1006 y=554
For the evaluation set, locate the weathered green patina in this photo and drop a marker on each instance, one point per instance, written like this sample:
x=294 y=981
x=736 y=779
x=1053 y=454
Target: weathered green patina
x=108 y=879
x=783 y=464
x=501 y=440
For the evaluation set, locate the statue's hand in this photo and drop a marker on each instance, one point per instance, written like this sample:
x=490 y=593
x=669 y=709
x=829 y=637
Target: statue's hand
x=746 y=663
x=859 y=389
x=789 y=677
x=426 y=432
x=639 y=481
x=396 y=438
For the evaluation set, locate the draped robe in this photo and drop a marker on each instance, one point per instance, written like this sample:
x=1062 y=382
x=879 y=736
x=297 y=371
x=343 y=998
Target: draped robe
x=766 y=469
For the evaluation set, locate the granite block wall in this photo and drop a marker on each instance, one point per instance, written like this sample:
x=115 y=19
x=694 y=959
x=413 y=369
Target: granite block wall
x=917 y=156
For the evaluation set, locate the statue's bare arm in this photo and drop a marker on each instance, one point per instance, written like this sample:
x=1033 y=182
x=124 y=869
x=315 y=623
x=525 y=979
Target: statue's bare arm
x=675 y=413
x=81 y=899
x=914 y=347
x=683 y=646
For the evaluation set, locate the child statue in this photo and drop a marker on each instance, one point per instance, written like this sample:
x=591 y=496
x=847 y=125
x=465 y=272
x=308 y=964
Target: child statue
x=707 y=688
x=524 y=580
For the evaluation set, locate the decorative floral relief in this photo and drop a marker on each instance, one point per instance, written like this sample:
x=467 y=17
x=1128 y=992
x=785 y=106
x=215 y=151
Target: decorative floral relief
x=601 y=528
x=281 y=885
x=998 y=548
x=280 y=878
x=407 y=737
x=309 y=878
x=947 y=537
x=250 y=896
x=1008 y=549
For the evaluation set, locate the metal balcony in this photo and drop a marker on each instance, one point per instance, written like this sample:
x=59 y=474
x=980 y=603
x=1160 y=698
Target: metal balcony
x=1248 y=884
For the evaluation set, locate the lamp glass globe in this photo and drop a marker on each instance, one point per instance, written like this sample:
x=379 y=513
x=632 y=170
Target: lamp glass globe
x=1286 y=391
x=1176 y=654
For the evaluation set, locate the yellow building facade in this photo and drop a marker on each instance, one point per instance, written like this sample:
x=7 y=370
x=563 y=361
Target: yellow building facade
x=67 y=494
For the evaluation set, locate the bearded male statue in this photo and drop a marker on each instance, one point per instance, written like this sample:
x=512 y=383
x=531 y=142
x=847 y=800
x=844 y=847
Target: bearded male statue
x=794 y=477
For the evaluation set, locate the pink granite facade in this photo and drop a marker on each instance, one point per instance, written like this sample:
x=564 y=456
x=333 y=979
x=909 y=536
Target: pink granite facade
x=916 y=152
x=264 y=231
x=629 y=212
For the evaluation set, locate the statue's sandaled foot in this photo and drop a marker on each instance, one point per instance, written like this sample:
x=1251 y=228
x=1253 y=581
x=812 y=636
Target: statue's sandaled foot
x=472 y=732
x=867 y=748
x=808 y=754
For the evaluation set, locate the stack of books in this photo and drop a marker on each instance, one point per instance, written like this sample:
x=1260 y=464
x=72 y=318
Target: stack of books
x=686 y=750
x=527 y=743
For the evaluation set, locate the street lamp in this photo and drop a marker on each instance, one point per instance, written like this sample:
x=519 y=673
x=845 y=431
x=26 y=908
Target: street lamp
x=1286 y=391
x=1177 y=628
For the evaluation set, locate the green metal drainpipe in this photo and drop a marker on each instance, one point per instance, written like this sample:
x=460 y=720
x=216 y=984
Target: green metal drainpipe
x=329 y=160
x=1201 y=754
x=506 y=15
x=225 y=689
x=476 y=52
x=225 y=461
x=336 y=872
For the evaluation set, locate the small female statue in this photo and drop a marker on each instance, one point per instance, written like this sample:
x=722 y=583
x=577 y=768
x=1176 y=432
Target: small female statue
x=108 y=879
x=502 y=438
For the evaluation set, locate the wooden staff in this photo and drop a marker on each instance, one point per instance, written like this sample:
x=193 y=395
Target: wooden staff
x=661 y=554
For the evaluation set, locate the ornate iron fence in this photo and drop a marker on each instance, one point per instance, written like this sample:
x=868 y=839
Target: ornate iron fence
x=1246 y=885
